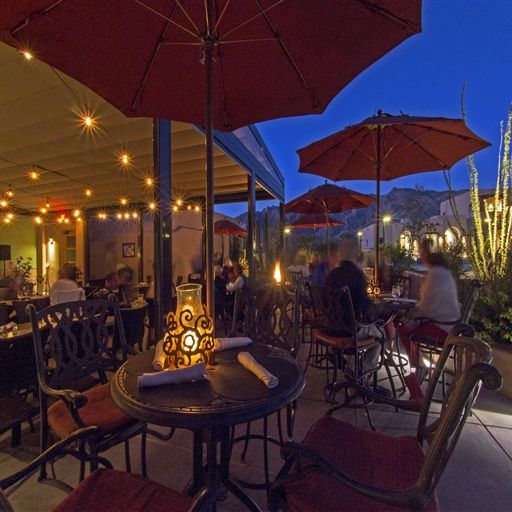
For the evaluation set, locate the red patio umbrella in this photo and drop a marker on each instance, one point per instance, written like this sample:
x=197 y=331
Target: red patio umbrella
x=217 y=63
x=326 y=199
x=226 y=227
x=385 y=147
x=315 y=220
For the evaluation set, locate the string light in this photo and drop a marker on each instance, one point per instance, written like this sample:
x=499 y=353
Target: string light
x=10 y=216
x=119 y=216
x=124 y=159
x=135 y=215
x=76 y=213
x=123 y=201
x=150 y=182
x=43 y=210
x=38 y=220
x=102 y=215
x=79 y=219
x=88 y=120
x=179 y=202
x=175 y=208
x=126 y=215
x=28 y=55
x=4 y=203
x=152 y=206
x=88 y=192
x=66 y=221
x=34 y=175
x=197 y=208
x=189 y=207
x=47 y=204
x=7 y=220
x=9 y=193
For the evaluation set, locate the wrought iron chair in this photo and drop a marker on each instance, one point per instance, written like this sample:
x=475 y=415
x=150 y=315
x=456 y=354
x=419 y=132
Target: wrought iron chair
x=78 y=338
x=339 y=332
x=104 y=490
x=134 y=325
x=20 y=307
x=271 y=320
x=340 y=466
x=18 y=380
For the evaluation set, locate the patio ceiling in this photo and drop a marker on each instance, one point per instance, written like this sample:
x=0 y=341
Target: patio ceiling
x=41 y=126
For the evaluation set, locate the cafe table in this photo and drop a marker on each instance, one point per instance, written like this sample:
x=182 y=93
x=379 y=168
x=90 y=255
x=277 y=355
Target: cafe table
x=210 y=408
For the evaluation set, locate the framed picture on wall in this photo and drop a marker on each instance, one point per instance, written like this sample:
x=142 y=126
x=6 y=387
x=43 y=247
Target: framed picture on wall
x=128 y=250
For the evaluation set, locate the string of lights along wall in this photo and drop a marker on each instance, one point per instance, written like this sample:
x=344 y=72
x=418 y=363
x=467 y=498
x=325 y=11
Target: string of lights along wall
x=47 y=213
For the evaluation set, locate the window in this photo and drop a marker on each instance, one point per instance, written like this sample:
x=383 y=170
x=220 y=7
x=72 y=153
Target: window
x=70 y=249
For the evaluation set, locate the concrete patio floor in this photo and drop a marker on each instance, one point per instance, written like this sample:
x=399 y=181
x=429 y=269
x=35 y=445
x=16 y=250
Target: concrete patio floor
x=477 y=477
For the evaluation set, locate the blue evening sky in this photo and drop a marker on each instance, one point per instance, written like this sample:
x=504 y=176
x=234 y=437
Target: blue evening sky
x=461 y=40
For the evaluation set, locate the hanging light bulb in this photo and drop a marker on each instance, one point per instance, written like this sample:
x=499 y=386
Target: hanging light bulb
x=150 y=182
x=7 y=220
x=34 y=174
x=124 y=159
x=123 y=201
x=197 y=208
x=152 y=205
x=119 y=216
x=135 y=215
x=76 y=213
x=66 y=221
x=126 y=215
x=27 y=54
x=38 y=220
x=179 y=202
x=88 y=192
x=189 y=207
x=43 y=210
x=4 y=203
x=175 y=208
x=10 y=216
x=9 y=193
x=47 y=204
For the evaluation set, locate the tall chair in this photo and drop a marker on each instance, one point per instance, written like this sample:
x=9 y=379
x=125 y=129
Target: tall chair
x=340 y=466
x=342 y=336
x=78 y=338
x=271 y=320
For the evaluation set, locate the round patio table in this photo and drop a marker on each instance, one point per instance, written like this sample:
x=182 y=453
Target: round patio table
x=209 y=408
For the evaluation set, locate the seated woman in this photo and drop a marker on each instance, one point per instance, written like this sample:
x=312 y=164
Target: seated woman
x=438 y=301
x=111 y=287
x=66 y=288
x=236 y=279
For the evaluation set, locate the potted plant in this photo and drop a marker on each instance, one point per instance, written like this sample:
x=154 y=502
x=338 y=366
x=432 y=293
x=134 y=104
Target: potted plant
x=22 y=274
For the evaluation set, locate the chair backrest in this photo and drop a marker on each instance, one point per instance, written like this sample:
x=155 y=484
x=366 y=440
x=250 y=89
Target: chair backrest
x=304 y=292
x=272 y=319
x=63 y=296
x=78 y=336
x=472 y=359
x=334 y=310
x=17 y=364
x=20 y=307
x=179 y=280
x=4 y=314
x=470 y=299
x=133 y=322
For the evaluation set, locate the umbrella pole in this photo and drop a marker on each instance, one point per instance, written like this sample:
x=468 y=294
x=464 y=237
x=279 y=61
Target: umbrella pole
x=208 y=64
x=327 y=224
x=377 y=220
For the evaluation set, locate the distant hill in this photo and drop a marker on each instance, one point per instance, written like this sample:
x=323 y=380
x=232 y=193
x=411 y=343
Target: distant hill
x=394 y=202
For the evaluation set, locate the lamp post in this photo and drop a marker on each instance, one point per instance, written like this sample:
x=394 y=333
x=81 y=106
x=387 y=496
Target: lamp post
x=286 y=232
x=385 y=220
x=360 y=238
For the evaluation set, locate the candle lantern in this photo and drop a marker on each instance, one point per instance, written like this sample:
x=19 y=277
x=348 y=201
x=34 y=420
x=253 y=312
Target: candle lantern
x=189 y=336
x=277 y=273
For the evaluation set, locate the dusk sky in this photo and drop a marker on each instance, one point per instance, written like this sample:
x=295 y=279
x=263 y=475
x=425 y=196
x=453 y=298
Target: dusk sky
x=462 y=40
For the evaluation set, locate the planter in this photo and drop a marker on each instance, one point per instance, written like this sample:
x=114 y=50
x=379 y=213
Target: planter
x=503 y=363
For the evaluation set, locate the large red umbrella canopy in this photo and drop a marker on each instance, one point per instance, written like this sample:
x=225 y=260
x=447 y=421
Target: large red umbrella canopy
x=315 y=220
x=217 y=63
x=226 y=227
x=326 y=199
x=407 y=145
x=271 y=58
x=385 y=147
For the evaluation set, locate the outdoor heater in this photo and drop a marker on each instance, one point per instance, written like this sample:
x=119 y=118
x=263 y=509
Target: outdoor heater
x=189 y=334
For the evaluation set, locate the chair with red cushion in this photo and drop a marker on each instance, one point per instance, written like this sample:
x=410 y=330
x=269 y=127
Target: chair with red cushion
x=341 y=467
x=79 y=356
x=105 y=490
x=339 y=332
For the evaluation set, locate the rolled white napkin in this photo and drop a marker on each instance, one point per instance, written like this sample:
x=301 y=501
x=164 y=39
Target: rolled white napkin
x=227 y=343
x=160 y=356
x=249 y=363
x=177 y=376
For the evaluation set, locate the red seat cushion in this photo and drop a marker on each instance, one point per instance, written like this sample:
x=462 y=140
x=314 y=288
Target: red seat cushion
x=340 y=342
x=100 y=411
x=107 y=490
x=373 y=458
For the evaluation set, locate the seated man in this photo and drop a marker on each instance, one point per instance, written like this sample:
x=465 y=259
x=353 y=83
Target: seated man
x=349 y=274
x=66 y=288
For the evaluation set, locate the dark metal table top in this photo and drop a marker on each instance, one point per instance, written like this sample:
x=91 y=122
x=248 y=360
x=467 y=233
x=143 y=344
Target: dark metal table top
x=231 y=395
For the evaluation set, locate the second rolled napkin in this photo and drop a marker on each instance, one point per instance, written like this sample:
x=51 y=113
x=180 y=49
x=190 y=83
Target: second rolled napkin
x=227 y=343
x=160 y=356
x=177 y=376
x=249 y=363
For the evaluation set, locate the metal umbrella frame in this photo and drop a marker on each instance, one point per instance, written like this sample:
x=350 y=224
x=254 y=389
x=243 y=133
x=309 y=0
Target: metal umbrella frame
x=385 y=147
x=315 y=221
